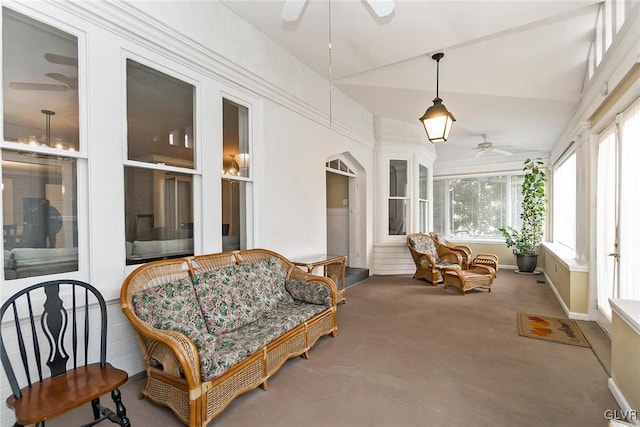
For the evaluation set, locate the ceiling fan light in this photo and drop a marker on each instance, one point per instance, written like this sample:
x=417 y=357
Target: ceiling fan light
x=437 y=121
x=382 y=8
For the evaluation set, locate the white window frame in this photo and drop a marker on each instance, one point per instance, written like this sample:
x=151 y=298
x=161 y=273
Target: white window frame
x=254 y=110
x=447 y=206
x=564 y=181
x=81 y=155
x=180 y=72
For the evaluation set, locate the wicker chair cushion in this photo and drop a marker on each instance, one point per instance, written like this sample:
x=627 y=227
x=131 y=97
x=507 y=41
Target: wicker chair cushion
x=235 y=346
x=227 y=299
x=313 y=293
x=447 y=265
x=172 y=306
x=425 y=244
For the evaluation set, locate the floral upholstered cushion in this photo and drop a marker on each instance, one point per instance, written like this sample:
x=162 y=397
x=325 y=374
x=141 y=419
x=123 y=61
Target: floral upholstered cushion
x=313 y=293
x=425 y=244
x=267 y=280
x=226 y=298
x=172 y=306
x=235 y=346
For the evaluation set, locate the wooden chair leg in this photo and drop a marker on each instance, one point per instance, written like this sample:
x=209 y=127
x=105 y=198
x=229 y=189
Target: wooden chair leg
x=96 y=408
x=121 y=411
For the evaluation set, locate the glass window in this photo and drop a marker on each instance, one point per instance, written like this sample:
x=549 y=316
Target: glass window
x=440 y=204
x=235 y=136
x=620 y=13
x=398 y=200
x=40 y=83
x=158 y=199
x=158 y=214
x=159 y=117
x=39 y=182
x=564 y=202
x=39 y=214
x=235 y=165
x=608 y=24
x=476 y=207
x=423 y=202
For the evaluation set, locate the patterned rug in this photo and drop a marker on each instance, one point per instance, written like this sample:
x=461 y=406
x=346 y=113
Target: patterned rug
x=564 y=331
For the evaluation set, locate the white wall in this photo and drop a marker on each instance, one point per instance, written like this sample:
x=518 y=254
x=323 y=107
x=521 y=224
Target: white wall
x=292 y=134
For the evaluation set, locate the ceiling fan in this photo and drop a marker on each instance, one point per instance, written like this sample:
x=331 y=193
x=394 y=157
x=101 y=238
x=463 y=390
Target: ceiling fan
x=64 y=82
x=293 y=8
x=486 y=146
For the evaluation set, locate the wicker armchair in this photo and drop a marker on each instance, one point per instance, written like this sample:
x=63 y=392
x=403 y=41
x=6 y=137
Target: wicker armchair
x=430 y=257
x=464 y=251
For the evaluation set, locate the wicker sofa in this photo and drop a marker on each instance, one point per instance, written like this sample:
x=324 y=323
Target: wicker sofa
x=213 y=327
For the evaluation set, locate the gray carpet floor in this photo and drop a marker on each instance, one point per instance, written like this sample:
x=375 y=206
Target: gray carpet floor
x=409 y=354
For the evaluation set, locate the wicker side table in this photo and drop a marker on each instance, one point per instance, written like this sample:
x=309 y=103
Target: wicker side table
x=478 y=276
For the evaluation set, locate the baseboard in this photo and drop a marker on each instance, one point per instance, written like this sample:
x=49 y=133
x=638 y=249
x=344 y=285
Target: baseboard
x=570 y=314
x=626 y=411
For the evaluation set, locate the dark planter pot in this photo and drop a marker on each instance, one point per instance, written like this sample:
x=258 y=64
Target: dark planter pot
x=527 y=262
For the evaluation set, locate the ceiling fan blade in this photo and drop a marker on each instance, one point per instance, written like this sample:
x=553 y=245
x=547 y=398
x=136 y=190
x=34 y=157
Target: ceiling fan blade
x=503 y=152
x=292 y=10
x=71 y=82
x=480 y=153
x=382 y=8
x=37 y=86
x=61 y=59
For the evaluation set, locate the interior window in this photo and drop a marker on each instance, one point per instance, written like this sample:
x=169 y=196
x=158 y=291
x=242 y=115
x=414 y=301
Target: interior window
x=40 y=83
x=39 y=215
x=159 y=117
x=398 y=199
x=40 y=112
x=236 y=168
x=158 y=199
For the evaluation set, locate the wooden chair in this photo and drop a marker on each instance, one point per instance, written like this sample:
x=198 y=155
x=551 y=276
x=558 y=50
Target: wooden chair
x=59 y=334
x=430 y=257
x=463 y=250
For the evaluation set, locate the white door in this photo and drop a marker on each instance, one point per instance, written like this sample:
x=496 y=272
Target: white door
x=618 y=204
x=607 y=223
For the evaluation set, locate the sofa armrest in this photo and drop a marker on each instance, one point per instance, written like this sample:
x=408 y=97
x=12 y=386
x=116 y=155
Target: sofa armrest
x=303 y=286
x=176 y=352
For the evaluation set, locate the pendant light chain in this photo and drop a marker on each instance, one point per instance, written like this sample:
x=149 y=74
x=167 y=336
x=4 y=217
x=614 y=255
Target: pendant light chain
x=330 y=72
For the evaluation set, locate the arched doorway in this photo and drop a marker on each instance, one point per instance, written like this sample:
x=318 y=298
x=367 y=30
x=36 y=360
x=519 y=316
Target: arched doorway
x=345 y=209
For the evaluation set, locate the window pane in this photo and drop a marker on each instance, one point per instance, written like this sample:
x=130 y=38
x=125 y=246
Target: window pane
x=233 y=212
x=39 y=215
x=40 y=81
x=423 y=216
x=423 y=183
x=398 y=178
x=235 y=137
x=478 y=206
x=516 y=201
x=564 y=202
x=439 y=207
x=159 y=117
x=158 y=214
x=397 y=215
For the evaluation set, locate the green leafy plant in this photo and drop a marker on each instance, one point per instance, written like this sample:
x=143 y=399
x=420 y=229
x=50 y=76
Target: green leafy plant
x=534 y=209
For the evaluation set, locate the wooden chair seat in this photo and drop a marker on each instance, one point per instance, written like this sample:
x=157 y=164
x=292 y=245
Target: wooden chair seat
x=52 y=330
x=54 y=396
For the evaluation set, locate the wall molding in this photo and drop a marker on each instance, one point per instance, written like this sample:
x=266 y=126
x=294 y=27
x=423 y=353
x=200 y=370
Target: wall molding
x=138 y=27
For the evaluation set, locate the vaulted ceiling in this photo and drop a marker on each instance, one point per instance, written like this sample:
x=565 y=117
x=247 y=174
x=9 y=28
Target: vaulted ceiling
x=513 y=70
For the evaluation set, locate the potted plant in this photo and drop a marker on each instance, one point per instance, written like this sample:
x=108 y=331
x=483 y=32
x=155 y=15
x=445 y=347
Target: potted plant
x=534 y=208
